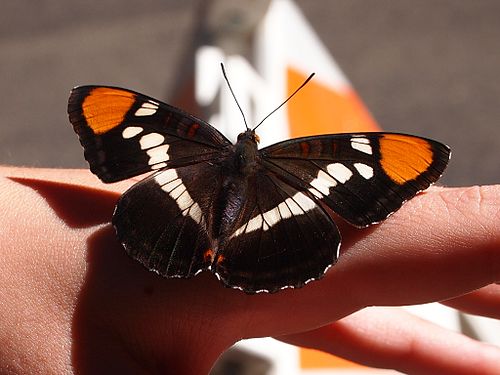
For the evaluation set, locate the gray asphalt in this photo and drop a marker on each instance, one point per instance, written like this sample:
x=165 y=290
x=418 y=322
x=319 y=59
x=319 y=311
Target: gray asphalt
x=428 y=67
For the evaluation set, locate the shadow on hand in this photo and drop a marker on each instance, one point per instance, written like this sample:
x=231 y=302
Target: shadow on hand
x=129 y=320
x=78 y=206
x=126 y=316
x=118 y=296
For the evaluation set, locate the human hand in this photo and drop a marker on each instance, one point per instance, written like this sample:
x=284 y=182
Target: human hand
x=73 y=301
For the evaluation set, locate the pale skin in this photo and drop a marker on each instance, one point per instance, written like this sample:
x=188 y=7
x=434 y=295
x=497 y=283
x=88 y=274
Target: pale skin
x=72 y=301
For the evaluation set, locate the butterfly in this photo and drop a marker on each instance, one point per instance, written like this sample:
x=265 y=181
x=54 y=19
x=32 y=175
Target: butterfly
x=256 y=218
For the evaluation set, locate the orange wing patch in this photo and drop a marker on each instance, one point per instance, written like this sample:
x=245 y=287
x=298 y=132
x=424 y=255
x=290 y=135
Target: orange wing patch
x=404 y=158
x=105 y=108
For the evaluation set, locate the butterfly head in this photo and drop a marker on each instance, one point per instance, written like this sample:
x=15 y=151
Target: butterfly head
x=249 y=135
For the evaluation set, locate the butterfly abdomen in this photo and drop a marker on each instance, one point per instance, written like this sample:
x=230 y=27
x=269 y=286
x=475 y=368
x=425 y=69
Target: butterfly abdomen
x=239 y=170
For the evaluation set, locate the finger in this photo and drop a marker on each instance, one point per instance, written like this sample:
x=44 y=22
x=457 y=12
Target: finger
x=395 y=339
x=443 y=243
x=484 y=302
x=412 y=257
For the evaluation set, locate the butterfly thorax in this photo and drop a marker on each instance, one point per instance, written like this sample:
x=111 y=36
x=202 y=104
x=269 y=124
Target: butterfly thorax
x=246 y=153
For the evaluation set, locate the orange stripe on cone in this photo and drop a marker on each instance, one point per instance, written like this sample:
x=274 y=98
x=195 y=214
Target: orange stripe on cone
x=311 y=359
x=321 y=110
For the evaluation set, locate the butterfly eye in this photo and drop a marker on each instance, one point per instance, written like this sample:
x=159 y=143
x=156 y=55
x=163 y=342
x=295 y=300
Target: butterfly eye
x=256 y=138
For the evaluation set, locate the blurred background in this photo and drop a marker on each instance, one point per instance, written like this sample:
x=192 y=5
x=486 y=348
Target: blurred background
x=429 y=67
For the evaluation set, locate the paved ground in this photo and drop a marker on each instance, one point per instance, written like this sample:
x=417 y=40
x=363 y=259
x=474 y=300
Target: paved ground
x=430 y=67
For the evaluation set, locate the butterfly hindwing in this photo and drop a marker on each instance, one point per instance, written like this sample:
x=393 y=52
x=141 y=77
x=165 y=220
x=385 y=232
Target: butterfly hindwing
x=361 y=177
x=125 y=133
x=162 y=221
x=283 y=238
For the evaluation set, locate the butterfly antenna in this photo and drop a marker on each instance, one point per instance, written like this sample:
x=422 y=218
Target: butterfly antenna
x=234 y=96
x=287 y=99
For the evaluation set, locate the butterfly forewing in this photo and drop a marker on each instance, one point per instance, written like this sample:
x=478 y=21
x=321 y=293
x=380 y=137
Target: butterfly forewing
x=362 y=177
x=125 y=133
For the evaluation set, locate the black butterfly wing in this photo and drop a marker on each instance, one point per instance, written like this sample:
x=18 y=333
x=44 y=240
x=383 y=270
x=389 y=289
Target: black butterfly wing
x=162 y=221
x=125 y=133
x=283 y=238
x=362 y=177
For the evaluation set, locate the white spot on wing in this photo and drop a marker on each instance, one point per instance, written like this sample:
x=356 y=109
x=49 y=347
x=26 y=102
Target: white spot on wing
x=340 y=172
x=184 y=200
x=272 y=216
x=151 y=140
x=177 y=192
x=316 y=193
x=323 y=183
x=293 y=206
x=360 y=139
x=361 y=144
x=305 y=203
x=285 y=211
x=171 y=184
x=147 y=109
x=159 y=166
x=131 y=131
x=364 y=170
x=195 y=213
x=253 y=224
x=299 y=204
x=166 y=176
x=158 y=154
